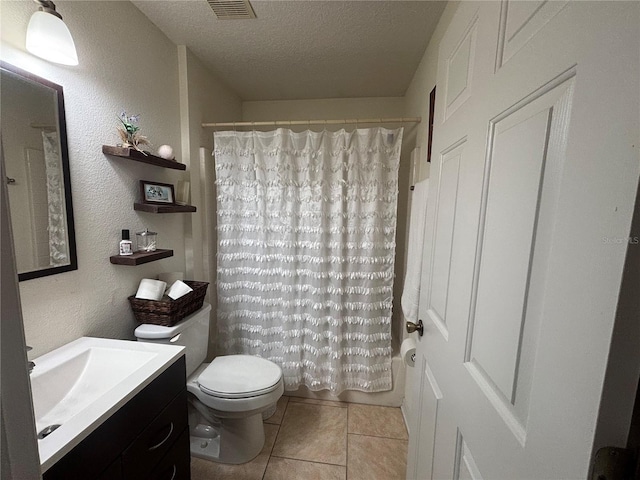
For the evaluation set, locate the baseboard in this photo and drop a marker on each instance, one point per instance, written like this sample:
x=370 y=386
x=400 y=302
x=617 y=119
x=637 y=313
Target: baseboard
x=403 y=409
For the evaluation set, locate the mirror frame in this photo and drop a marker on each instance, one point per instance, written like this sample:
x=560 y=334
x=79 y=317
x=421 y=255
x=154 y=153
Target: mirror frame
x=66 y=174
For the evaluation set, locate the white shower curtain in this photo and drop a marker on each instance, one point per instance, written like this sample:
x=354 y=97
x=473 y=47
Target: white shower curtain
x=306 y=245
x=57 y=220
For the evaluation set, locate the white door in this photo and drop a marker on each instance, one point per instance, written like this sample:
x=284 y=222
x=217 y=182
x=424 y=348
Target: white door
x=535 y=165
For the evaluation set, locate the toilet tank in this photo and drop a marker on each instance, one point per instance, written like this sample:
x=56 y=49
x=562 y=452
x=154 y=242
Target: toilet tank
x=192 y=332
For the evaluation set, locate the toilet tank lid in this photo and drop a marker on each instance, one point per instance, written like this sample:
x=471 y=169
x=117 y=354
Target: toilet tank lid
x=157 y=332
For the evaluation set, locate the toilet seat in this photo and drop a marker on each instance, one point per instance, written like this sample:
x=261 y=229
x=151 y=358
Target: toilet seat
x=230 y=407
x=256 y=393
x=239 y=376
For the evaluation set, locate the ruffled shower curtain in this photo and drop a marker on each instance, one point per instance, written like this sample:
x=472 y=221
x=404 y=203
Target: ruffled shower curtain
x=57 y=221
x=306 y=246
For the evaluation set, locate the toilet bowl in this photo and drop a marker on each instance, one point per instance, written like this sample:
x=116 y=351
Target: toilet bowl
x=226 y=397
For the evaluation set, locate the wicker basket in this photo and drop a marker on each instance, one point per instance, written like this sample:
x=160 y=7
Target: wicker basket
x=168 y=312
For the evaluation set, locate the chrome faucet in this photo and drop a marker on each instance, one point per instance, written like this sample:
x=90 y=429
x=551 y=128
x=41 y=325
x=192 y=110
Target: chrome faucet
x=30 y=364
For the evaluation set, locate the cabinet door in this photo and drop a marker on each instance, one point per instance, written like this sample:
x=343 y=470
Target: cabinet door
x=95 y=455
x=176 y=464
x=113 y=471
x=156 y=440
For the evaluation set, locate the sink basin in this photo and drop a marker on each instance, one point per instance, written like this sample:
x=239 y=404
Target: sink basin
x=64 y=389
x=79 y=385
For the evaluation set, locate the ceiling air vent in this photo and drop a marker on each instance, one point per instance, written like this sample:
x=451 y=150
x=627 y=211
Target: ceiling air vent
x=232 y=9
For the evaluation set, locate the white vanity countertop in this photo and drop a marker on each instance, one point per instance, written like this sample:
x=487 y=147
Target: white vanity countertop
x=82 y=383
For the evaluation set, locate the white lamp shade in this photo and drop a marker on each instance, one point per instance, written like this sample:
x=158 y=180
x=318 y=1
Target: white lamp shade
x=48 y=37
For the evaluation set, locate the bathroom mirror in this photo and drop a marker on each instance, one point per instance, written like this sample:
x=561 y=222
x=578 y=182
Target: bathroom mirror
x=34 y=150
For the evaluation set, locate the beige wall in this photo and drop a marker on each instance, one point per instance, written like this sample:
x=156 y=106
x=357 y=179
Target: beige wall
x=417 y=104
x=323 y=109
x=417 y=95
x=126 y=63
x=203 y=98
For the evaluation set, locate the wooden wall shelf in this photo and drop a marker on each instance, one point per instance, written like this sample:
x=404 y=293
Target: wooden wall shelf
x=135 y=155
x=153 y=208
x=138 y=258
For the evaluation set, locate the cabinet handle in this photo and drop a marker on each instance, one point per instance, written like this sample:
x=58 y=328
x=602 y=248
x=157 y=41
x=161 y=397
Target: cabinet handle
x=175 y=470
x=163 y=440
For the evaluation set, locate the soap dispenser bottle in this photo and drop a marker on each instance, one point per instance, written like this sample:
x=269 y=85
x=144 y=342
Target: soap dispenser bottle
x=126 y=246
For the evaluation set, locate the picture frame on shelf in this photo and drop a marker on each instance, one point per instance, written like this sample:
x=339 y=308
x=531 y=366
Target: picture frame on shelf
x=156 y=193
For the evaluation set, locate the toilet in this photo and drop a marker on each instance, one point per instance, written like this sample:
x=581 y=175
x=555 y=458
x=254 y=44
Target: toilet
x=226 y=397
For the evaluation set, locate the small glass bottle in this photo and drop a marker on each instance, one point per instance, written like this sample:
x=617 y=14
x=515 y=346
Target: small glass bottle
x=146 y=241
x=126 y=245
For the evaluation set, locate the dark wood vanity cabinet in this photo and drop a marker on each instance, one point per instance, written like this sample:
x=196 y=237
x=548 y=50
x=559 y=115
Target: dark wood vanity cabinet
x=147 y=438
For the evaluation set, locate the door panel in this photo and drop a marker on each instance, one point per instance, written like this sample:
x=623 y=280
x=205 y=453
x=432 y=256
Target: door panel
x=532 y=133
x=465 y=467
x=535 y=166
x=443 y=235
x=520 y=21
x=427 y=419
x=509 y=222
x=459 y=66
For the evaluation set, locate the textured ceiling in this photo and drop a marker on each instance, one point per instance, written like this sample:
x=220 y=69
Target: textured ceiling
x=303 y=49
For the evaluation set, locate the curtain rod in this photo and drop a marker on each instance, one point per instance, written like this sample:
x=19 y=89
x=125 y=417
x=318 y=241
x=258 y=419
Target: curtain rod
x=43 y=126
x=288 y=123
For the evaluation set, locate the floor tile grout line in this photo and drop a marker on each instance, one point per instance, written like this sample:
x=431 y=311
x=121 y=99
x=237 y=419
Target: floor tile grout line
x=264 y=472
x=267 y=465
x=308 y=461
x=346 y=473
x=345 y=403
x=379 y=436
x=315 y=407
x=302 y=399
x=343 y=467
x=356 y=404
x=279 y=426
x=318 y=405
x=291 y=400
x=308 y=399
x=275 y=438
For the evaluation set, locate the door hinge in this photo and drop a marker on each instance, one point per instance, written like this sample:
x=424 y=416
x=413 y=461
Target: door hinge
x=611 y=463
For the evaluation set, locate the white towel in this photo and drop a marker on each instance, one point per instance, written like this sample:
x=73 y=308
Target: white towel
x=411 y=291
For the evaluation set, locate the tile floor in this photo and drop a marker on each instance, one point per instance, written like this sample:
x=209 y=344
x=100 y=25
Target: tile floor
x=311 y=439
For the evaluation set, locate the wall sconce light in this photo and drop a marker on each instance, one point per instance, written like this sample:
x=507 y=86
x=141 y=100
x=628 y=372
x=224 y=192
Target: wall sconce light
x=48 y=37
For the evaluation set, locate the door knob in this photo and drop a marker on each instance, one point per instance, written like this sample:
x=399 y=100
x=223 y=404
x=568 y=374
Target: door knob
x=412 y=327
